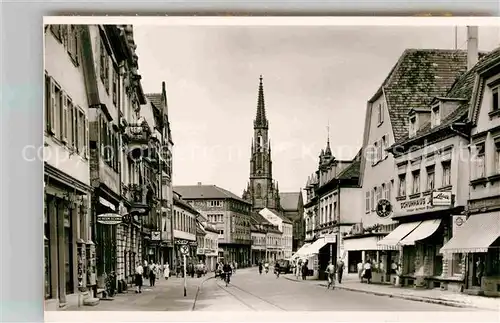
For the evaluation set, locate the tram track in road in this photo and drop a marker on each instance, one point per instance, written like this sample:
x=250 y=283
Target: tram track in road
x=246 y=302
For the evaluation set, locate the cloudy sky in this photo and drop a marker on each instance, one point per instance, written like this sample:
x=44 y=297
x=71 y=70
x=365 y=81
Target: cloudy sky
x=312 y=76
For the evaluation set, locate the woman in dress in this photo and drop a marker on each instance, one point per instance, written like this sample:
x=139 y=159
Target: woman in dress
x=139 y=271
x=368 y=271
x=166 y=271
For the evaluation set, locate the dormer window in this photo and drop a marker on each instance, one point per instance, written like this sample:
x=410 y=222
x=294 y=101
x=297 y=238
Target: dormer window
x=435 y=116
x=413 y=126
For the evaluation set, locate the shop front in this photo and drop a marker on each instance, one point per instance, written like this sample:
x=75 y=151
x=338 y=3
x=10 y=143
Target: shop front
x=365 y=247
x=319 y=253
x=69 y=261
x=476 y=245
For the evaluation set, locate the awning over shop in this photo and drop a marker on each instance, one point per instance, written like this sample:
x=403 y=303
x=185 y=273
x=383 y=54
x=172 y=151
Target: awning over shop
x=425 y=229
x=364 y=243
x=476 y=235
x=318 y=244
x=393 y=238
x=302 y=251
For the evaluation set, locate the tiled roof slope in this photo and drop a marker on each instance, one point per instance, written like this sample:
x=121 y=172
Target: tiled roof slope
x=461 y=89
x=154 y=98
x=185 y=204
x=352 y=171
x=289 y=200
x=418 y=77
x=205 y=192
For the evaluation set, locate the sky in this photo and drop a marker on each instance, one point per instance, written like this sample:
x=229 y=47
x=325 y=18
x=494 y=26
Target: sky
x=315 y=78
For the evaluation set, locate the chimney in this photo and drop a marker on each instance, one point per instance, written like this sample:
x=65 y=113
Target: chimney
x=472 y=47
x=163 y=90
x=199 y=183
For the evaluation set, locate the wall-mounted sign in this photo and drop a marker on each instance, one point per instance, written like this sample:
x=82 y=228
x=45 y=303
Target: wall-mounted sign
x=184 y=249
x=155 y=235
x=441 y=198
x=109 y=218
x=384 y=208
x=420 y=204
x=458 y=223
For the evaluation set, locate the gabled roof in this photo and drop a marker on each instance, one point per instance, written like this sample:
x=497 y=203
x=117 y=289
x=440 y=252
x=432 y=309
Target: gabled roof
x=154 y=98
x=283 y=218
x=180 y=202
x=289 y=201
x=418 y=77
x=204 y=192
x=462 y=91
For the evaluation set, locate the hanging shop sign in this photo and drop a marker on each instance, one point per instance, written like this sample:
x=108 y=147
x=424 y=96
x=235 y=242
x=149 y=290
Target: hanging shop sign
x=441 y=198
x=384 y=208
x=184 y=249
x=109 y=218
x=156 y=236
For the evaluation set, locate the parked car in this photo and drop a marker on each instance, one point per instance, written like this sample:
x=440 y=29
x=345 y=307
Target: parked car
x=285 y=266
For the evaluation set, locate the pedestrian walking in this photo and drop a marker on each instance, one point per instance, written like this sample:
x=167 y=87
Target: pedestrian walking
x=330 y=272
x=340 y=270
x=367 y=271
x=139 y=271
x=360 y=271
x=166 y=271
x=304 y=270
x=298 y=268
x=479 y=271
x=152 y=276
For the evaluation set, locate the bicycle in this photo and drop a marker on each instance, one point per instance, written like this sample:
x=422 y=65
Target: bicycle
x=227 y=278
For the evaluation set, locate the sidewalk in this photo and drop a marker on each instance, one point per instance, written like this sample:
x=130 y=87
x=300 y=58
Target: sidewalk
x=166 y=295
x=435 y=296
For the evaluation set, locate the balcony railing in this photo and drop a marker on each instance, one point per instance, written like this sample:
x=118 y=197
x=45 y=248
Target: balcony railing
x=137 y=136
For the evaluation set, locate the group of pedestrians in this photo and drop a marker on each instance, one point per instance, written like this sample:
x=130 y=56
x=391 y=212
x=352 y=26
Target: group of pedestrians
x=151 y=272
x=301 y=269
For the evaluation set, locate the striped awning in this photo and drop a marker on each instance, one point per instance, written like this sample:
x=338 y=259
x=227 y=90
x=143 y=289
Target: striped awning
x=476 y=235
x=425 y=229
x=393 y=238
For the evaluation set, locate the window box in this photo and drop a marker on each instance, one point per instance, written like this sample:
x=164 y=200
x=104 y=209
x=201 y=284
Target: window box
x=427 y=193
x=445 y=188
x=494 y=178
x=401 y=198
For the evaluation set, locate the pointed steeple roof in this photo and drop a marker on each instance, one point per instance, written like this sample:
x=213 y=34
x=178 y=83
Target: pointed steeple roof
x=260 y=118
x=328 y=151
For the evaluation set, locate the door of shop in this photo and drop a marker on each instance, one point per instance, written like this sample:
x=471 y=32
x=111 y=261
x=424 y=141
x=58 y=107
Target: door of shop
x=326 y=254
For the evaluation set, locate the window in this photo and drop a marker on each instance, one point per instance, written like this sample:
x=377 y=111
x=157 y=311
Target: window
x=379 y=192
x=115 y=85
x=56 y=31
x=73 y=43
x=380 y=112
x=402 y=185
x=374 y=198
x=104 y=66
x=495 y=104
x=335 y=211
x=430 y=178
x=497 y=155
x=388 y=191
x=384 y=147
x=413 y=126
x=416 y=182
x=480 y=166
x=456 y=264
x=54 y=120
x=446 y=173
x=436 y=116
x=375 y=153
x=367 y=202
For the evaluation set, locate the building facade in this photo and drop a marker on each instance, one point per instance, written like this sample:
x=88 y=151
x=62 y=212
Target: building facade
x=68 y=235
x=185 y=227
x=386 y=123
x=208 y=244
x=228 y=213
x=292 y=205
x=474 y=245
x=285 y=227
x=332 y=205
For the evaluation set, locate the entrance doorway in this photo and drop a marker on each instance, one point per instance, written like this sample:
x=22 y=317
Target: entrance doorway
x=326 y=254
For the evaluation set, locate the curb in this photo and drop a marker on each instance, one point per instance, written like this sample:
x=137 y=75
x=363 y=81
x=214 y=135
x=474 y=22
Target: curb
x=406 y=297
x=198 y=291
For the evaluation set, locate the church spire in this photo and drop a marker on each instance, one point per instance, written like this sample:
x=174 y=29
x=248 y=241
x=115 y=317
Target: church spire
x=328 y=151
x=260 y=119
